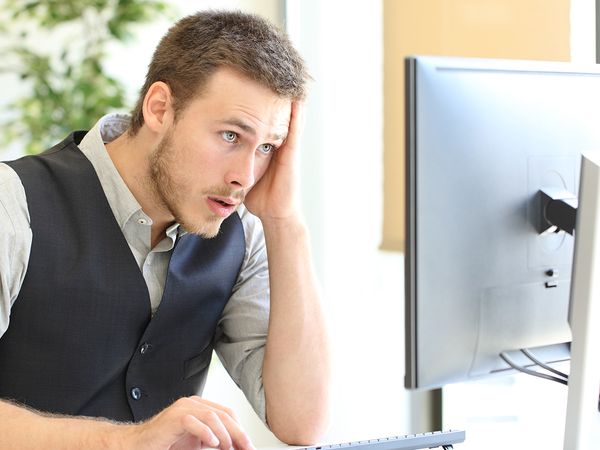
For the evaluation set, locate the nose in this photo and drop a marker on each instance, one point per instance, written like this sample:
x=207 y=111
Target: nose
x=240 y=173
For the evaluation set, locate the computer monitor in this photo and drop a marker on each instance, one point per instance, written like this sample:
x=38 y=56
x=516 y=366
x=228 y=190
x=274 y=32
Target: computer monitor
x=483 y=275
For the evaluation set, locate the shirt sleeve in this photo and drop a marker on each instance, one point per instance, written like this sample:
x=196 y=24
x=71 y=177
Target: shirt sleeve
x=15 y=241
x=242 y=330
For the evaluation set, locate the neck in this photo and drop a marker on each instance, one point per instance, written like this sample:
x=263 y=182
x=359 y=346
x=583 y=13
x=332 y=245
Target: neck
x=131 y=157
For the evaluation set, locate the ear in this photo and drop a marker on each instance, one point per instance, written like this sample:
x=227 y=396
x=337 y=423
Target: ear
x=158 y=107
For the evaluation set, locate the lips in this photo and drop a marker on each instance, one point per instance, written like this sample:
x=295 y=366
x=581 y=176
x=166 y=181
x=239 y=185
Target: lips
x=222 y=206
x=222 y=202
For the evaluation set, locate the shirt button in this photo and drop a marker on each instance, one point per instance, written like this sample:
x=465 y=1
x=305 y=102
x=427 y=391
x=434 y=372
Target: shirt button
x=142 y=221
x=136 y=393
x=144 y=348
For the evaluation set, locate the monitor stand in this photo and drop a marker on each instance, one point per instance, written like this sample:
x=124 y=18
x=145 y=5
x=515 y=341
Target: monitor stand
x=582 y=425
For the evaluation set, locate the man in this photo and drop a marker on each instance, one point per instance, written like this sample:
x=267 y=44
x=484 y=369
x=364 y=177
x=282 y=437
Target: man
x=129 y=252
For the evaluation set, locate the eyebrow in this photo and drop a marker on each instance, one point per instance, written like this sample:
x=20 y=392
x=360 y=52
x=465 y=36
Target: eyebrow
x=250 y=129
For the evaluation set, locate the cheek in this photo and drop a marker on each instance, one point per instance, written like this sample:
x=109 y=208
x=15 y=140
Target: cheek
x=260 y=167
x=196 y=164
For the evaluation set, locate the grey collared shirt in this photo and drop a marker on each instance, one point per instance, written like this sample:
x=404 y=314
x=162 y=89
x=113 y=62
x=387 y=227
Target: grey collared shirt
x=242 y=330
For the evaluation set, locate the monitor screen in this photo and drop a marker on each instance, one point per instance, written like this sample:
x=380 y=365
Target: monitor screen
x=483 y=275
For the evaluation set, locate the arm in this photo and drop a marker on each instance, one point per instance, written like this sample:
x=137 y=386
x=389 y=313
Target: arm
x=296 y=364
x=15 y=241
x=185 y=425
x=23 y=429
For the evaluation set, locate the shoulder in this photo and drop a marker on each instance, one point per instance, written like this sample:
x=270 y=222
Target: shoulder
x=14 y=215
x=7 y=175
x=15 y=240
x=253 y=230
x=255 y=259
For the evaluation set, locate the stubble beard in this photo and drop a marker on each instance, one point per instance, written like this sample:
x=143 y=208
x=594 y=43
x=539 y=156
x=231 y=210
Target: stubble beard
x=168 y=193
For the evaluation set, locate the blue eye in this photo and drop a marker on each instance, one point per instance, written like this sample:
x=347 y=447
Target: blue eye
x=229 y=136
x=266 y=148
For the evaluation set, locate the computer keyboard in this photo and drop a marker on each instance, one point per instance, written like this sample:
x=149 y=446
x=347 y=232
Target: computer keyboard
x=443 y=439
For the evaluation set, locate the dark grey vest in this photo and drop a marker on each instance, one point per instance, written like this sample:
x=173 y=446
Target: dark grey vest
x=81 y=340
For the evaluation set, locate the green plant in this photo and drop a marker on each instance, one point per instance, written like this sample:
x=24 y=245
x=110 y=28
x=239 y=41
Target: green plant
x=70 y=89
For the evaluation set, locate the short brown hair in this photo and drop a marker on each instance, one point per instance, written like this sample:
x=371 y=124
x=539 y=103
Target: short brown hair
x=199 y=44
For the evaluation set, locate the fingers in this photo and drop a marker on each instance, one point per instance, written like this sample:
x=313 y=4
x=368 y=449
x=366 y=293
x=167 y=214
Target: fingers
x=216 y=406
x=297 y=119
x=217 y=432
x=215 y=425
x=292 y=140
x=201 y=431
x=189 y=423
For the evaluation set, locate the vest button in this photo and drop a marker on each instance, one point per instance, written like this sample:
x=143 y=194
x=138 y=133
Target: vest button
x=144 y=348
x=136 y=393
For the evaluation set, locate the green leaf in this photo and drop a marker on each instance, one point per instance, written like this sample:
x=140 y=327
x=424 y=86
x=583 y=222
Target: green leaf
x=67 y=92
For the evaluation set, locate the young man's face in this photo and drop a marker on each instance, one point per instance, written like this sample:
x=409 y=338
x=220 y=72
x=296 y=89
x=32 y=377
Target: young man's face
x=218 y=148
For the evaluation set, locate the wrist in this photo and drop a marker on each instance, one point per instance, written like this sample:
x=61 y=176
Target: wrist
x=94 y=433
x=292 y=222
x=120 y=437
x=287 y=235
x=291 y=229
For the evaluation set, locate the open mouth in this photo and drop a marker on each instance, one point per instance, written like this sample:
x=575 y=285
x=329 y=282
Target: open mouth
x=221 y=207
x=222 y=202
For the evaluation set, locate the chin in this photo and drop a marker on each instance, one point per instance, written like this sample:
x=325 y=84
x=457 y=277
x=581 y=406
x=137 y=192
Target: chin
x=206 y=229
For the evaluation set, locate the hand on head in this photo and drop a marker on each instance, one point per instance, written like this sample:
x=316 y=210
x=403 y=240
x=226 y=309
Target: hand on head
x=274 y=196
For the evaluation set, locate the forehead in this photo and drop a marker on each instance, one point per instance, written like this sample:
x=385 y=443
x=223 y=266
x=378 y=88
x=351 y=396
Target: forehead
x=231 y=96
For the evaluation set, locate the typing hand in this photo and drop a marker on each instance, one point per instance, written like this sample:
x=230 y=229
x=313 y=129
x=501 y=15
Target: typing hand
x=188 y=424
